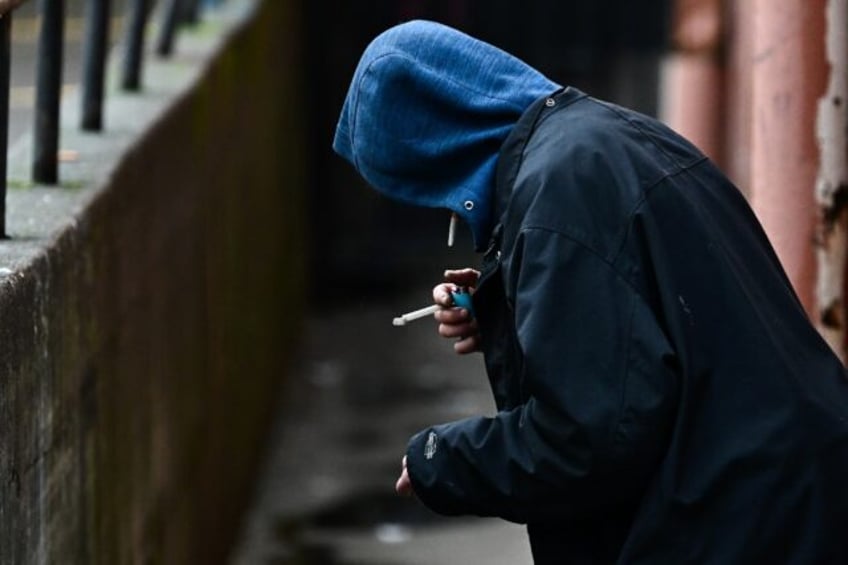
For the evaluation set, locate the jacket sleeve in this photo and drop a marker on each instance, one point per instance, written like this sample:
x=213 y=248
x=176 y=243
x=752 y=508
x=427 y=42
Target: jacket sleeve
x=600 y=387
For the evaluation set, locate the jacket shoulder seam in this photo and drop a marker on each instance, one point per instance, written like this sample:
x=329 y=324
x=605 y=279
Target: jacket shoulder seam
x=646 y=192
x=650 y=138
x=600 y=256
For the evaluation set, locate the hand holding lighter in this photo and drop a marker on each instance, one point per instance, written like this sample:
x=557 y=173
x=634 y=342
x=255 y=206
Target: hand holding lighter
x=461 y=299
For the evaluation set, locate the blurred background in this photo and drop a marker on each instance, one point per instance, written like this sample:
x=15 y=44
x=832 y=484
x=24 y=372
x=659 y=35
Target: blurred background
x=198 y=362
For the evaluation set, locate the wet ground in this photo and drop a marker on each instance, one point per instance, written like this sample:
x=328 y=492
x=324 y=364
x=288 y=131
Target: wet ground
x=360 y=388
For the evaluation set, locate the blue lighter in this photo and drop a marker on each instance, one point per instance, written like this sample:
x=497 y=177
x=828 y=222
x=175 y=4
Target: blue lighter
x=461 y=299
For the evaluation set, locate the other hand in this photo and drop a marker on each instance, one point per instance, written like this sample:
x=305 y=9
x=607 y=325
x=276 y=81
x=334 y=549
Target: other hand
x=403 y=486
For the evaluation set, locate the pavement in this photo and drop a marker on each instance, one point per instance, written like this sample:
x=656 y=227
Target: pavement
x=360 y=388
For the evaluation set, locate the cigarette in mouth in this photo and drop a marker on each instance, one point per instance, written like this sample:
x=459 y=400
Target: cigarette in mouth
x=415 y=315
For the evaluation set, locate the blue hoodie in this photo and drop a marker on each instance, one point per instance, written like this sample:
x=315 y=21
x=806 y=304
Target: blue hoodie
x=427 y=111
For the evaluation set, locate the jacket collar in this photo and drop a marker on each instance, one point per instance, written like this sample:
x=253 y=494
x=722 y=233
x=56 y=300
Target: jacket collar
x=512 y=150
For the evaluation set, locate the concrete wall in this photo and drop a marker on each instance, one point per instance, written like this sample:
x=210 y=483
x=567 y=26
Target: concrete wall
x=148 y=307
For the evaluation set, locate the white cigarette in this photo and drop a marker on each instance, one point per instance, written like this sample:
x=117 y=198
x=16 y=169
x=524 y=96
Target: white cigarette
x=415 y=314
x=452 y=229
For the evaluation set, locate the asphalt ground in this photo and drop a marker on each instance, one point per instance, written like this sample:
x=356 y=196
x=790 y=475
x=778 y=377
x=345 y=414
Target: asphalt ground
x=360 y=388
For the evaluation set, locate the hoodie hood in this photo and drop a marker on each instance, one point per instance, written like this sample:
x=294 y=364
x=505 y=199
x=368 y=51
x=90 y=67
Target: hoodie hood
x=427 y=111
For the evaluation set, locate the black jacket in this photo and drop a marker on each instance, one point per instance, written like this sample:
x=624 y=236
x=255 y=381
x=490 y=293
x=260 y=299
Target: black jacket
x=662 y=397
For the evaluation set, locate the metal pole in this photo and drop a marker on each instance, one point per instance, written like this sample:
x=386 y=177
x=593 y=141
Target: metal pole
x=693 y=82
x=165 y=45
x=94 y=63
x=740 y=96
x=45 y=168
x=832 y=183
x=135 y=45
x=191 y=12
x=5 y=66
x=789 y=75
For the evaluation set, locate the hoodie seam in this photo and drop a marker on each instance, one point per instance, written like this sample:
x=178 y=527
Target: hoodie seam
x=448 y=78
x=369 y=69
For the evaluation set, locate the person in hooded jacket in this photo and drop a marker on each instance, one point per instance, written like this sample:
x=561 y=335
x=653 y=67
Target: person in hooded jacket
x=662 y=398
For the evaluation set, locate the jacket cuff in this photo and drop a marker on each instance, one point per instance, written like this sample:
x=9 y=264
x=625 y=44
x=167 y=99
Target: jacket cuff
x=424 y=460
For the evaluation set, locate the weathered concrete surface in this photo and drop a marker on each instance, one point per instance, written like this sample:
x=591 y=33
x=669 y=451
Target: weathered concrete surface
x=149 y=307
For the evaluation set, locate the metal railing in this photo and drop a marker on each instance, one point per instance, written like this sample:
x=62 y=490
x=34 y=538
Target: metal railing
x=50 y=61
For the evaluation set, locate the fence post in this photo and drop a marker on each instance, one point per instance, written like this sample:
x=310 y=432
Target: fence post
x=48 y=93
x=5 y=67
x=170 y=20
x=135 y=45
x=94 y=63
x=191 y=11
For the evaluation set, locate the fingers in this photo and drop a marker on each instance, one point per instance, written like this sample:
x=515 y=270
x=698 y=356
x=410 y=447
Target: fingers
x=470 y=344
x=455 y=278
x=442 y=296
x=452 y=316
x=462 y=277
x=403 y=486
x=461 y=327
x=457 y=325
